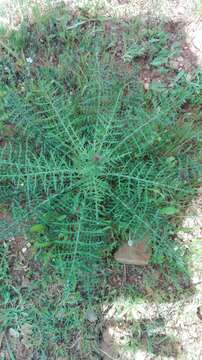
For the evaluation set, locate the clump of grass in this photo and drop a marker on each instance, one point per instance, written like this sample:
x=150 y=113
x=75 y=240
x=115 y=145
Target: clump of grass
x=94 y=157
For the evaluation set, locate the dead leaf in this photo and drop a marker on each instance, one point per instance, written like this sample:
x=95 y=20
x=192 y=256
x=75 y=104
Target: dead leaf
x=149 y=291
x=26 y=332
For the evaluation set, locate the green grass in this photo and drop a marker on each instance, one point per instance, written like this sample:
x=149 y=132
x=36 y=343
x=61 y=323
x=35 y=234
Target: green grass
x=199 y=7
x=88 y=157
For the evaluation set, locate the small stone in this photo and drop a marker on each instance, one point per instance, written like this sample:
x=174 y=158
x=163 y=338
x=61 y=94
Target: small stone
x=24 y=249
x=25 y=283
x=189 y=77
x=14 y=333
x=107 y=337
x=141 y=354
x=91 y=316
x=175 y=63
x=197 y=39
x=137 y=254
x=146 y=86
x=29 y=60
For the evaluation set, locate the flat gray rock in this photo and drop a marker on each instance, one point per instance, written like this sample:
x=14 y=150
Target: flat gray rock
x=91 y=316
x=137 y=254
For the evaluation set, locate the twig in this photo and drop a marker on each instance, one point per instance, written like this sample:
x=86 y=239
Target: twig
x=124 y=275
x=75 y=342
x=81 y=23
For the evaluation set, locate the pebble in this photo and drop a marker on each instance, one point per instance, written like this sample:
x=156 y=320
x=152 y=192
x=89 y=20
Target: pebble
x=197 y=39
x=137 y=254
x=91 y=316
x=14 y=333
